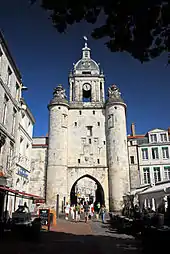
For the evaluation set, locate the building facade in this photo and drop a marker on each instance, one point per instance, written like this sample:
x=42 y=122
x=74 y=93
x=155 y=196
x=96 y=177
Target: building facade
x=149 y=160
x=16 y=129
x=87 y=138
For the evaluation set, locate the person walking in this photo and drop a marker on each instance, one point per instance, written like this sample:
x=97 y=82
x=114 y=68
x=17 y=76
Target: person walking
x=67 y=210
x=102 y=212
x=86 y=211
x=78 y=211
x=72 y=211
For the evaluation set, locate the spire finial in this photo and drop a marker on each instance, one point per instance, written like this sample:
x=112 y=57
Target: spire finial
x=86 y=39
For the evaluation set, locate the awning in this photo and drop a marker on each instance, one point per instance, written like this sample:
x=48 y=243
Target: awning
x=21 y=193
x=164 y=187
x=139 y=190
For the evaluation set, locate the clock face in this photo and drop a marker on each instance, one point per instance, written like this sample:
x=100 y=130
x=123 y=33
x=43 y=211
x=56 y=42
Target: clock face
x=86 y=87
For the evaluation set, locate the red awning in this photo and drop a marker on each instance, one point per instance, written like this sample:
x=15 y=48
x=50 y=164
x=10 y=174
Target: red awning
x=21 y=193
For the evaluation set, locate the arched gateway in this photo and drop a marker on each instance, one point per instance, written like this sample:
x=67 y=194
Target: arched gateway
x=87 y=136
x=100 y=179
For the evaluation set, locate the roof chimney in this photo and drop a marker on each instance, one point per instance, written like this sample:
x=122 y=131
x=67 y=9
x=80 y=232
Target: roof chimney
x=133 y=129
x=168 y=130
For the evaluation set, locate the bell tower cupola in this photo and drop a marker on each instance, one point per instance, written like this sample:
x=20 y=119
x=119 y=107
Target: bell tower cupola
x=86 y=80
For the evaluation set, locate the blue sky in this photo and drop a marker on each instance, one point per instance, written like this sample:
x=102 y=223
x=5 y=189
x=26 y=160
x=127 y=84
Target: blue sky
x=44 y=58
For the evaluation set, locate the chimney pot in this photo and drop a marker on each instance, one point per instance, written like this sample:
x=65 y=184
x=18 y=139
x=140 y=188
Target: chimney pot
x=133 y=129
x=169 y=130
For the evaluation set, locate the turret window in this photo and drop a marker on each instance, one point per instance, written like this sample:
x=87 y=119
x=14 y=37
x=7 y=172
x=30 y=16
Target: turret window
x=80 y=112
x=98 y=123
x=98 y=161
x=86 y=54
x=75 y=124
x=104 y=142
x=93 y=112
x=79 y=161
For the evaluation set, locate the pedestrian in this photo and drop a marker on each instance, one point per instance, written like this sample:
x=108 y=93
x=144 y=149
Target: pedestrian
x=78 y=211
x=72 y=211
x=102 y=212
x=67 y=210
x=97 y=210
x=86 y=211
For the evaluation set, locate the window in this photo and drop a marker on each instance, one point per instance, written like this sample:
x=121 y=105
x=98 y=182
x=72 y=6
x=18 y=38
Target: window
x=9 y=72
x=167 y=173
x=22 y=114
x=4 y=110
x=64 y=120
x=163 y=137
x=75 y=123
x=104 y=142
x=165 y=152
x=86 y=53
x=93 y=112
x=98 y=161
x=89 y=140
x=110 y=121
x=98 y=123
x=153 y=138
x=78 y=160
x=13 y=120
x=29 y=123
x=17 y=92
x=155 y=154
x=80 y=112
x=145 y=153
x=132 y=160
x=11 y=154
x=157 y=174
x=89 y=130
x=131 y=143
x=146 y=176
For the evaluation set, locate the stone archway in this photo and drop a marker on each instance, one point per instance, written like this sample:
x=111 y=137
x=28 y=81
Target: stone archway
x=99 y=192
x=98 y=175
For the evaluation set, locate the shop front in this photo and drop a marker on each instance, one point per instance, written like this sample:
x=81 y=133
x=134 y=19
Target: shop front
x=12 y=198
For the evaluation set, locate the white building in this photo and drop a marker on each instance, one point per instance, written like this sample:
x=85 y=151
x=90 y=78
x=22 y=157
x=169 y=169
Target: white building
x=16 y=127
x=149 y=157
x=87 y=138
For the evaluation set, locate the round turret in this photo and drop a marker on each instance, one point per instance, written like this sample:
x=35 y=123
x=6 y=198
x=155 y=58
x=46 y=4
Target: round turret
x=57 y=147
x=117 y=154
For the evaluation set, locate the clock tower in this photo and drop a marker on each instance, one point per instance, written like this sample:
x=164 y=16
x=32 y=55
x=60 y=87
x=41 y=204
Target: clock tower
x=87 y=139
x=86 y=80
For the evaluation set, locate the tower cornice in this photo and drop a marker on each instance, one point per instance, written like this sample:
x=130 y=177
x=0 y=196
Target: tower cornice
x=54 y=102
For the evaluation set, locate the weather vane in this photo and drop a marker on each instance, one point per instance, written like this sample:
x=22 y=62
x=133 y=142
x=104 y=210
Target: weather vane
x=86 y=39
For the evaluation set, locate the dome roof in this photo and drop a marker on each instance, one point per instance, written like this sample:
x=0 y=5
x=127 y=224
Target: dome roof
x=86 y=65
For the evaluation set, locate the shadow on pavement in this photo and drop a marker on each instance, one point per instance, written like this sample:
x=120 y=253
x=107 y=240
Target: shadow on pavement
x=58 y=242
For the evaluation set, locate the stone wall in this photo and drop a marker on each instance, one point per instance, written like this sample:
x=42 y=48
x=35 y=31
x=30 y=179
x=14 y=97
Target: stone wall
x=38 y=171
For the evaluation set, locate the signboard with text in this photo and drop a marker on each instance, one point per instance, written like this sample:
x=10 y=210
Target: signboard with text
x=44 y=215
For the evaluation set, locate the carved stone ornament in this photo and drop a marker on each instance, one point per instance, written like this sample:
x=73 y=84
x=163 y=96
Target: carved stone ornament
x=59 y=92
x=113 y=92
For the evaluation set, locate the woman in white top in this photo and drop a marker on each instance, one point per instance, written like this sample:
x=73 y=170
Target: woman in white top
x=72 y=211
x=67 y=210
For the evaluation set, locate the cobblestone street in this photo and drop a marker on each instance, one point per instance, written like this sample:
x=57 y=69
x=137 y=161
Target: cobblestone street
x=72 y=237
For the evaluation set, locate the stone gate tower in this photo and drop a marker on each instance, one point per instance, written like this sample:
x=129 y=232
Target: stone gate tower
x=87 y=137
